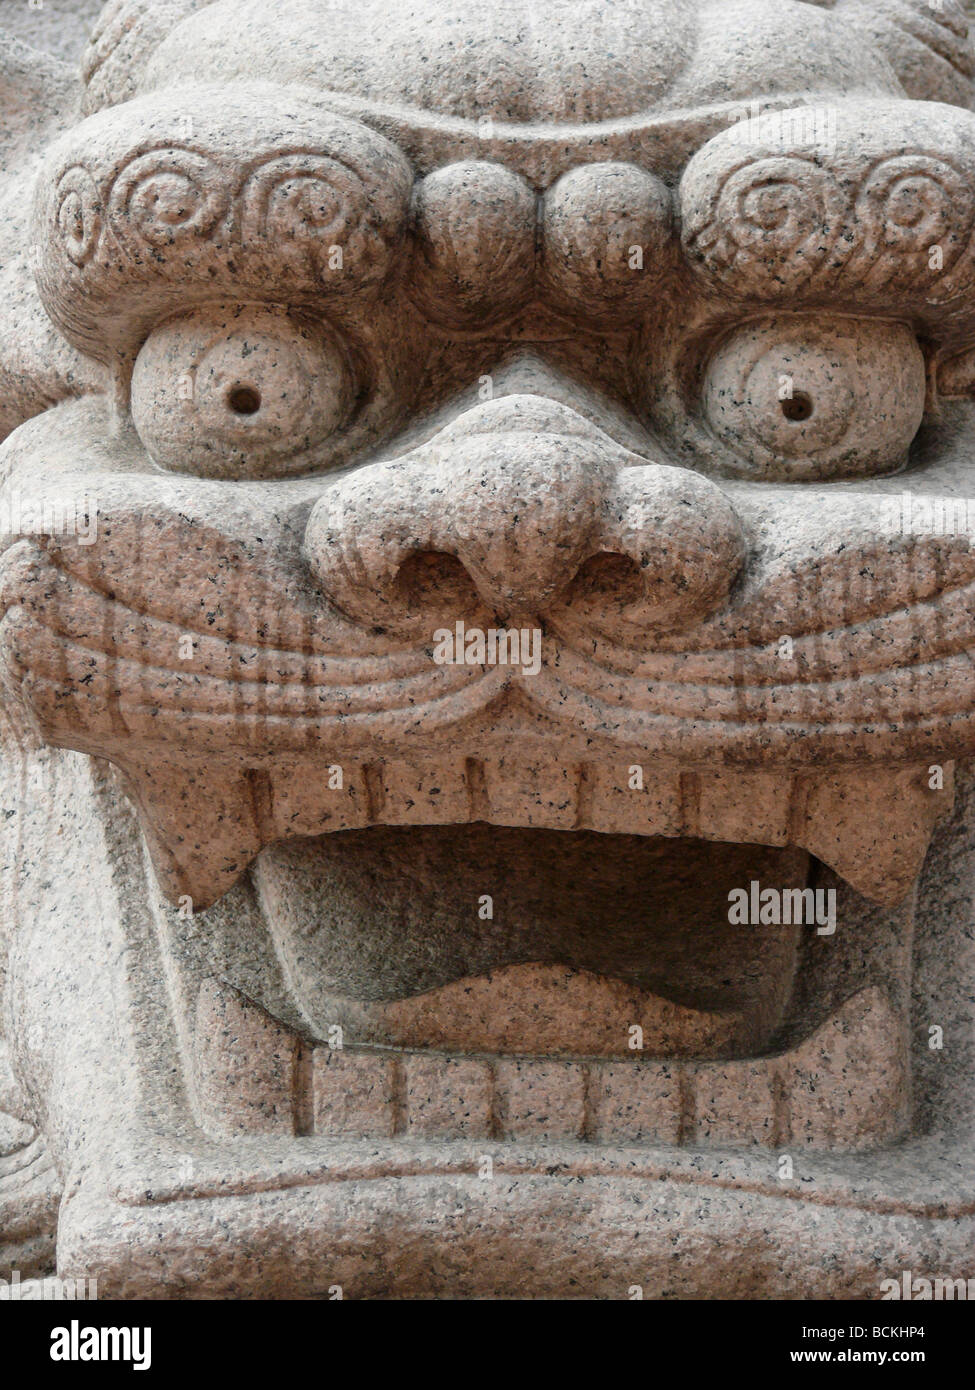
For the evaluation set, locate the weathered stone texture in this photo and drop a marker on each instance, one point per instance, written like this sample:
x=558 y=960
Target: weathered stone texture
x=486 y=629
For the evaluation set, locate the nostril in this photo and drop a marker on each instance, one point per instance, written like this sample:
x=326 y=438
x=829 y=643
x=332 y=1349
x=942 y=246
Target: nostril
x=244 y=400
x=608 y=576
x=431 y=578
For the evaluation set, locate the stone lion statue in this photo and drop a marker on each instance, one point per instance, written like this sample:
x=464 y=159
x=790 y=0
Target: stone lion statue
x=487 y=572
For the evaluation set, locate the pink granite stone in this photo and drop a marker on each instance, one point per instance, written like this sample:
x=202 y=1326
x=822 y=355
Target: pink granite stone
x=486 y=635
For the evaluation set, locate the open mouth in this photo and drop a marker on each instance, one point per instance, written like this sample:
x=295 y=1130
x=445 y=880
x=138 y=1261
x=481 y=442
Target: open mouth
x=482 y=982
x=483 y=938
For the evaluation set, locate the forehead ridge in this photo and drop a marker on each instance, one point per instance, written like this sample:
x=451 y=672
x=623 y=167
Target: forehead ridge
x=522 y=62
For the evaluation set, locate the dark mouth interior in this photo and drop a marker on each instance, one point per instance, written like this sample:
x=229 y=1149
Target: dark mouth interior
x=389 y=913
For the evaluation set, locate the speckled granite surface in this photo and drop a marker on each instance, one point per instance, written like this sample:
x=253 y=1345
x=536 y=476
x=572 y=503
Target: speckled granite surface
x=486 y=630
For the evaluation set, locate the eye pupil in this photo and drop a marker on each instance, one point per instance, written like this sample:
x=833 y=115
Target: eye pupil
x=244 y=400
x=798 y=406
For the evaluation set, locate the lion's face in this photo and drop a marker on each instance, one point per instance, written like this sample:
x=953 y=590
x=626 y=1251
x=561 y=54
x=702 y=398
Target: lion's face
x=584 y=468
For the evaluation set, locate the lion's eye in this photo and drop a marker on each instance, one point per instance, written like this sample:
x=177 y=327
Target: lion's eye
x=796 y=398
x=238 y=394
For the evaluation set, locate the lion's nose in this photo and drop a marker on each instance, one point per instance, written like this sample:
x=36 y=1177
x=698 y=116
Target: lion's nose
x=521 y=514
x=523 y=510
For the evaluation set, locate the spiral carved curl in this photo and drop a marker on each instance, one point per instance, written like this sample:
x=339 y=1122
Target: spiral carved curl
x=177 y=199
x=307 y=203
x=782 y=225
x=78 y=215
x=776 y=217
x=166 y=198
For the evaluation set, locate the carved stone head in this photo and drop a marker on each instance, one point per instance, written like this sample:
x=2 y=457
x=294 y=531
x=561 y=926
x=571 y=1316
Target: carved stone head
x=487 y=626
